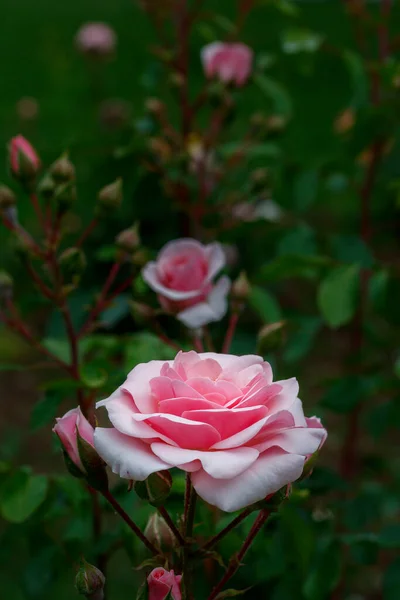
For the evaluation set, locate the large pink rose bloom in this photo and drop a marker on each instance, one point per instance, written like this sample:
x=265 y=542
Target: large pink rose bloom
x=219 y=417
x=183 y=277
x=231 y=63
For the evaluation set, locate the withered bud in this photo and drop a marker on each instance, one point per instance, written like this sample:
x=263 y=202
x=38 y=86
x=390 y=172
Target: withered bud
x=129 y=239
x=6 y=286
x=241 y=288
x=270 y=337
x=155 y=106
x=47 y=186
x=7 y=198
x=141 y=313
x=62 y=170
x=110 y=196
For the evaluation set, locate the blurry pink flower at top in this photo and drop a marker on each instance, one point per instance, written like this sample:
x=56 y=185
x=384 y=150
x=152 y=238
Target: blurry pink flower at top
x=96 y=39
x=183 y=277
x=231 y=63
x=23 y=158
x=162 y=583
x=66 y=429
x=219 y=417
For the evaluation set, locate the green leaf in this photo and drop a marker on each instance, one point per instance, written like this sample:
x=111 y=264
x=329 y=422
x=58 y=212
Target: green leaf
x=391 y=581
x=306 y=189
x=276 y=93
x=345 y=394
x=301 y=340
x=291 y=265
x=60 y=348
x=325 y=572
x=21 y=494
x=93 y=376
x=359 y=77
x=297 y=40
x=45 y=411
x=389 y=537
x=352 y=249
x=299 y=241
x=264 y=304
x=118 y=309
x=143 y=347
x=337 y=295
x=231 y=593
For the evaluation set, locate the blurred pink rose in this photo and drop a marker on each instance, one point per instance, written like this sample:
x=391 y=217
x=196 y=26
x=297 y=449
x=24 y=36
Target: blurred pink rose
x=183 y=277
x=97 y=39
x=23 y=158
x=217 y=416
x=66 y=428
x=162 y=582
x=231 y=63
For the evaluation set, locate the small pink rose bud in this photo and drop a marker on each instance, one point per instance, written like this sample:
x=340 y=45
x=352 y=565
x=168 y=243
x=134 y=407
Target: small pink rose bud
x=67 y=429
x=97 y=40
x=230 y=63
x=24 y=160
x=161 y=583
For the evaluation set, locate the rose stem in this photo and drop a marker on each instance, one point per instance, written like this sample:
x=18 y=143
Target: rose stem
x=188 y=521
x=165 y=515
x=208 y=339
x=236 y=560
x=197 y=342
x=233 y=321
x=218 y=537
x=37 y=208
x=118 y=509
x=101 y=300
x=86 y=232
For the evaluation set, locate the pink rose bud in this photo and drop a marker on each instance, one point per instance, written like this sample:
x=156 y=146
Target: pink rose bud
x=96 y=39
x=183 y=277
x=24 y=160
x=230 y=63
x=162 y=583
x=67 y=429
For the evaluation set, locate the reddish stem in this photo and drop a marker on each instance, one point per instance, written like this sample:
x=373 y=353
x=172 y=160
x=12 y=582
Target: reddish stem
x=132 y=525
x=218 y=537
x=383 y=30
x=165 y=515
x=198 y=343
x=102 y=300
x=233 y=321
x=86 y=233
x=236 y=561
x=38 y=210
x=39 y=282
x=163 y=337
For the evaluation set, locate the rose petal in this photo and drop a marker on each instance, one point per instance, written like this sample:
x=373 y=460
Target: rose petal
x=215 y=258
x=185 y=433
x=271 y=471
x=224 y=464
x=228 y=422
x=151 y=277
x=128 y=457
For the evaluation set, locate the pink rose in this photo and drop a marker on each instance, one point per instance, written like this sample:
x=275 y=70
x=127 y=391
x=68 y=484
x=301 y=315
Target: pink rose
x=66 y=428
x=96 y=39
x=227 y=62
x=217 y=416
x=162 y=582
x=183 y=277
x=23 y=158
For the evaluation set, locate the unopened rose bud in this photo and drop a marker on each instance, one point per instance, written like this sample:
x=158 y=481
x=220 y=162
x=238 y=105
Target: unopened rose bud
x=155 y=106
x=76 y=436
x=24 y=160
x=155 y=489
x=230 y=63
x=110 y=197
x=129 y=239
x=7 y=198
x=72 y=264
x=158 y=532
x=271 y=337
x=241 y=288
x=90 y=581
x=141 y=313
x=141 y=257
x=47 y=186
x=65 y=196
x=96 y=40
x=62 y=170
x=164 y=584
x=6 y=286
